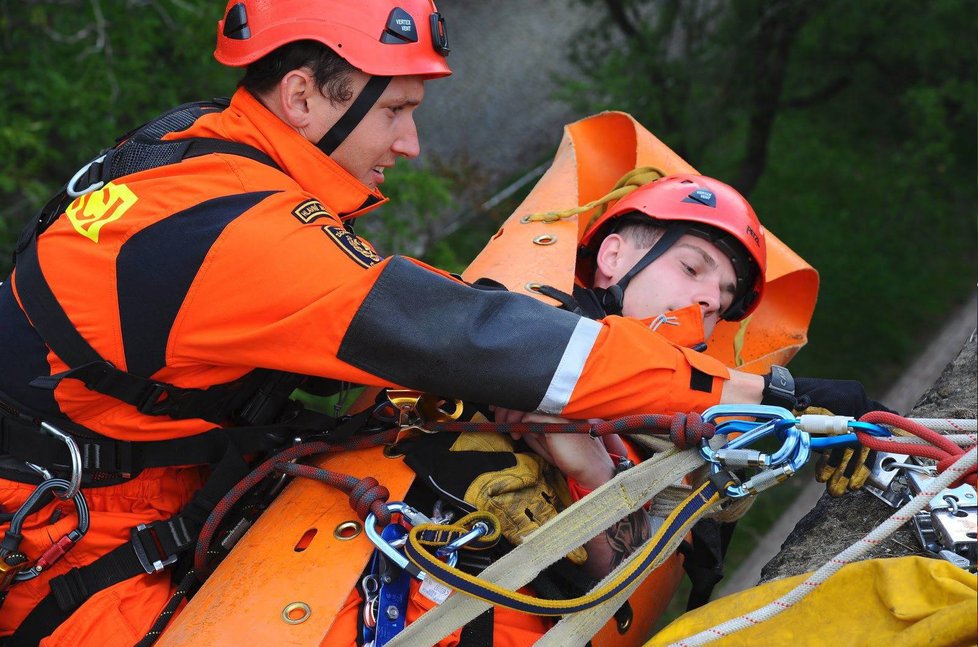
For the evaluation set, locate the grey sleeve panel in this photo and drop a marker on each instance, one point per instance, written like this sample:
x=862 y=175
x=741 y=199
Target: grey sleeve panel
x=423 y=331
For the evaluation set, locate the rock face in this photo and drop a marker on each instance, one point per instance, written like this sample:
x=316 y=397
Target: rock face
x=834 y=524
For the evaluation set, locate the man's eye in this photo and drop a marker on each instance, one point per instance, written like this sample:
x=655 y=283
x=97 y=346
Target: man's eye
x=689 y=269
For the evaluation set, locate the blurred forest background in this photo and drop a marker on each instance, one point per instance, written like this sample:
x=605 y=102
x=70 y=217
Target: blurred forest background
x=851 y=126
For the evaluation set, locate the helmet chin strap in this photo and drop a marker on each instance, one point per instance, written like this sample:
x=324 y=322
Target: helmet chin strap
x=613 y=298
x=354 y=114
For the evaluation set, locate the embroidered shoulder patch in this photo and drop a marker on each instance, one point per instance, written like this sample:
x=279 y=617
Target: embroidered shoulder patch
x=310 y=210
x=360 y=251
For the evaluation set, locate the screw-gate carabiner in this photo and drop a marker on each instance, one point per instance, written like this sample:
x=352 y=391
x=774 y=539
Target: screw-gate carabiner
x=412 y=517
x=768 y=420
x=11 y=541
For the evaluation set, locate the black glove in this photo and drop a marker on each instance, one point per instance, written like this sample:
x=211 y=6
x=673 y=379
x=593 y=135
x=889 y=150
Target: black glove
x=841 y=397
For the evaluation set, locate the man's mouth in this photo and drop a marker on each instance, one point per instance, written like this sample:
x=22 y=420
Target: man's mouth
x=378 y=174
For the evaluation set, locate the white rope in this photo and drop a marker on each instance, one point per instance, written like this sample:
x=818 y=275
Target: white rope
x=961 y=440
x=948 y=424
x=851 y=554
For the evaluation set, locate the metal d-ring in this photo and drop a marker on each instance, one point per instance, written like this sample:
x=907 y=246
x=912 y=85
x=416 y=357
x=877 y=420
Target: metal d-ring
x=76 y=461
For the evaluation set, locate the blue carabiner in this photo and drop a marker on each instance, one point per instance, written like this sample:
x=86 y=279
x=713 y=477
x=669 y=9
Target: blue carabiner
x=766 y=421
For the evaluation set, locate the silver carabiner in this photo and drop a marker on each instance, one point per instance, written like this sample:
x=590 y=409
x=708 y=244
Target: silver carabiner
x=76 y=461
x=479 y=529
x=413 y=517
x=77 y=193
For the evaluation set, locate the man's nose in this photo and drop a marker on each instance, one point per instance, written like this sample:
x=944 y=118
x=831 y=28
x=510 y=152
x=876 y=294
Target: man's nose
x=407 y=144
x=708 y=299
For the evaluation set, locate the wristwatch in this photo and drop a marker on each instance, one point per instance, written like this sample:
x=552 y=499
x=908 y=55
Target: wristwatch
x=779 y=388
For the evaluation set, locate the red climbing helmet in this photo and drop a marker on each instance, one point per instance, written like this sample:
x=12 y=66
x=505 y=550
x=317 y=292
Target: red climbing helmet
x=711 y=210
x=381 y=38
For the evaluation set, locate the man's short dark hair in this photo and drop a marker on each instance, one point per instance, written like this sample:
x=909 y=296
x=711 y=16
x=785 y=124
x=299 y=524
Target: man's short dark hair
x=641 y=231
x=332 y=73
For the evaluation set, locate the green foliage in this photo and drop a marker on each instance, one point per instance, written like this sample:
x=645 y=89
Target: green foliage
x=870 y=164
x=76 y=74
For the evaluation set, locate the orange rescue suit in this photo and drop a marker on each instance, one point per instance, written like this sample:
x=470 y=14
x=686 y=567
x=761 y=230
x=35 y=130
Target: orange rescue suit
x=278 y=282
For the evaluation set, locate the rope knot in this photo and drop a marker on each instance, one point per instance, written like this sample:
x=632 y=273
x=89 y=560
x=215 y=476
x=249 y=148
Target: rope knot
x=367 y=495
x=687 y=430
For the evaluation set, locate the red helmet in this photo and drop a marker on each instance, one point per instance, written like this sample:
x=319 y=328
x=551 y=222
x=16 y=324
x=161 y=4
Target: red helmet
x=402 y=38
x=694 y=201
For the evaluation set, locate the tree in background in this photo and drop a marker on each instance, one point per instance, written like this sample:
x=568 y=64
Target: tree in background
x=77 y=74
x=850 y=125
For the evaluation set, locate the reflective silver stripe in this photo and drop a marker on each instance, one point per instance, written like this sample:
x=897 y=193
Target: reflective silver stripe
x=570 y=367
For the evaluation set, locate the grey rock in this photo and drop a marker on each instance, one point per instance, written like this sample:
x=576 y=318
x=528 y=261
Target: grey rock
x=836 y=523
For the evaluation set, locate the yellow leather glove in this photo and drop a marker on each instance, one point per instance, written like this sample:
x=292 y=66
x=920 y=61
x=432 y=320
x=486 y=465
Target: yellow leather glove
x=842 y=469
x=523 y=497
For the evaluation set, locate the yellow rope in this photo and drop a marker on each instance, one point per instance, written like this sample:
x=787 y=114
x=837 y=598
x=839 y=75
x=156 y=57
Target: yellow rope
x=628 y=183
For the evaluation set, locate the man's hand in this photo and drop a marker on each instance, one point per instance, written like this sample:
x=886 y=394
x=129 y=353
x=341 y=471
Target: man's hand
x=579 y=456
x=841 y=397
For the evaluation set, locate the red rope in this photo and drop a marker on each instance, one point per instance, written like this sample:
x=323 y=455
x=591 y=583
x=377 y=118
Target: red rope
x=685 y=430
x=941 y=449
x=365 y=494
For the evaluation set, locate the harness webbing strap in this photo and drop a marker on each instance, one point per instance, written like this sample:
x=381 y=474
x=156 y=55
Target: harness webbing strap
x=151 y=397
x=46 y=314
x=150 y=549
x=608 y=504
x=652 y=554
x=27 y=441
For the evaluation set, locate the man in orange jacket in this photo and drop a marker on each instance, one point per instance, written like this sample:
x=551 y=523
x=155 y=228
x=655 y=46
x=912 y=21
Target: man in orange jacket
x=206 y=265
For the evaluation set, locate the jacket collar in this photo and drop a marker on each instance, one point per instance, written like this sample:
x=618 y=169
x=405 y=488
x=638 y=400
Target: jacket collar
x=247 y=121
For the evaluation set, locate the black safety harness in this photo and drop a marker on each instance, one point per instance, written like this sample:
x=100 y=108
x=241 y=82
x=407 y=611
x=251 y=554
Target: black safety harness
x=256 y=407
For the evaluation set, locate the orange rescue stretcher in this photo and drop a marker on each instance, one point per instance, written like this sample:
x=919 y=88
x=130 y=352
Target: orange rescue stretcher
x=288 y=577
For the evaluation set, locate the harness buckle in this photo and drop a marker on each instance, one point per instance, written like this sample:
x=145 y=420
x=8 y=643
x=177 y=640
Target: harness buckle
x=157 y=397
x=143 y=536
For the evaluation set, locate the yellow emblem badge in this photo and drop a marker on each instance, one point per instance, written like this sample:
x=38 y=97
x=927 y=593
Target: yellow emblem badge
x=355 y=248
x=92 y=211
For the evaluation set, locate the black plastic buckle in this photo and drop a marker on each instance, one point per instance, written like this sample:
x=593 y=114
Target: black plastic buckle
x=144 y=539
x=158 y=399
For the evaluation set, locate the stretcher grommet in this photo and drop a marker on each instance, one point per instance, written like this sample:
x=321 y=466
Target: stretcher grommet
x=532 y=287
x=296 y=613
x=391 y=451
x=348 y=530
x=545 y=239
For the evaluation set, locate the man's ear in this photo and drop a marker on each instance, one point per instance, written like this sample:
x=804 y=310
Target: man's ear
x=608 y=260
x=294 y=92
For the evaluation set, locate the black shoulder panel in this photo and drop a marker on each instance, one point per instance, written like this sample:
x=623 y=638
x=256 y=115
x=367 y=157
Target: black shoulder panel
x=23 y=356
x=154 y=271
x=421 y=330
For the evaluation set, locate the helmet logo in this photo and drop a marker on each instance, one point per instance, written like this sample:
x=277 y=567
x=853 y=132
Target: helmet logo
x=702 y=196
x=757 y=239
x=400 y=28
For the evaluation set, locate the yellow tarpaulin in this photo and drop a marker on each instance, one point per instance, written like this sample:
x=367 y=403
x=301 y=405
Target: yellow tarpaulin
x=896 y=602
